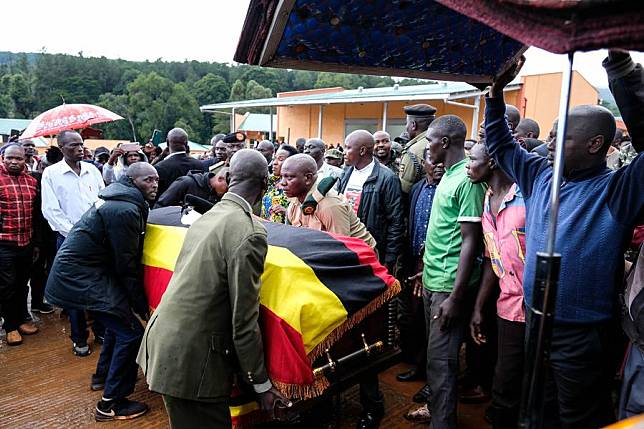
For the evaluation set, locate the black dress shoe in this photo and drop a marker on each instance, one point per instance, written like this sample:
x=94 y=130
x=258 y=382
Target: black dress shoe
x=423 y=395
x=369 y=421
x=411 y=375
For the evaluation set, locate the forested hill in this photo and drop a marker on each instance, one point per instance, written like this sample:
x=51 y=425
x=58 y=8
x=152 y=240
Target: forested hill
x=151 y=95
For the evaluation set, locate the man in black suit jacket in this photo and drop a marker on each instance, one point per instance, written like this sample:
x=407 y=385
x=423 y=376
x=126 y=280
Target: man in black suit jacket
x=178 y=163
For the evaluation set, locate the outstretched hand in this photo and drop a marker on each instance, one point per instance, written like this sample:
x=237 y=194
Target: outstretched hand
x=271 y=399
x=502 y=80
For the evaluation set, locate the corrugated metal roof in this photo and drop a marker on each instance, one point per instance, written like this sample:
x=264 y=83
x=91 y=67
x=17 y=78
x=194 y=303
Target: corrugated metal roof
x=258 y=122
x=434 y=91
x=7 y=124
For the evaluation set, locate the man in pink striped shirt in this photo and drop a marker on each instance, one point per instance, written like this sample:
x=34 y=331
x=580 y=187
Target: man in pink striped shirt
x=503 y=223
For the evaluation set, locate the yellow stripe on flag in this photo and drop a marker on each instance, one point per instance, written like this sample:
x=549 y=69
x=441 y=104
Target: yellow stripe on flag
x=292 y=291
x=162 y=245
x=290 y=288
x=240 y=410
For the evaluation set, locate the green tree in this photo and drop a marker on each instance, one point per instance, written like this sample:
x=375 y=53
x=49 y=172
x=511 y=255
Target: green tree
x=20 y=93
x=211 y=89
x=238 y=91
x=255 y=91
x=6 y=106
x=118 y=130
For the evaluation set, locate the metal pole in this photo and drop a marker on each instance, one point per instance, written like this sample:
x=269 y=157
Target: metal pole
x=541 y=313
x=474 y=132
x=384 y=116
x=270 y=109
x=232 y=120
x=320 y=123
x=557 y=172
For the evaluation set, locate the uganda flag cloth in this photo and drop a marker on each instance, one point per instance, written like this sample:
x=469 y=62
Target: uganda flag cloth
x=315 y=287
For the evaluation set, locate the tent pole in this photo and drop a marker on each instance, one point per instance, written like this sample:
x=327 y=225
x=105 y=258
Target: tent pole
x=540 y=316
x=320 y=123
x=271 y=119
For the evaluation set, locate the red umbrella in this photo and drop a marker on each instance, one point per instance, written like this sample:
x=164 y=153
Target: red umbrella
x=68 y=117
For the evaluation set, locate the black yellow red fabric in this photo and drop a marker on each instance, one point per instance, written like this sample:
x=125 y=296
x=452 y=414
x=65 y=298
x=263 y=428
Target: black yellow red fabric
x=315 y=287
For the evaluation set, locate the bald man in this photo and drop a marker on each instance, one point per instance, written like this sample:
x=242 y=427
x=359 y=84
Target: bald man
x=316 y=149
x=373 y=192
x=267 y=149
x=97 y=269
x=207 y=318
x=332 y=214
x=598 y=210
x=178 y=163
x=513 y=116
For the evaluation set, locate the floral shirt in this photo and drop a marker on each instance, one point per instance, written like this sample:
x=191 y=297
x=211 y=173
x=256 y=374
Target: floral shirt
x=273 y=198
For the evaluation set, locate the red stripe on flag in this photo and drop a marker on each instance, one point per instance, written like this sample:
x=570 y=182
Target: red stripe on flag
x=286 y=359
x=155 y=282
x=366 y=256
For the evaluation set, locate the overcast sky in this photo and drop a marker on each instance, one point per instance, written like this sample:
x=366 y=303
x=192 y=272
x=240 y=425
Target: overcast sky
x=204 y=30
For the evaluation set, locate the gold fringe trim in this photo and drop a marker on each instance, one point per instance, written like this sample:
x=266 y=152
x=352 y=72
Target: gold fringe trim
x=320 y=384
x=352 y=321
x=303 y=391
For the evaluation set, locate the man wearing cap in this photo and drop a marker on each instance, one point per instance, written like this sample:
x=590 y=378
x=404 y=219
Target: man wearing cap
x=334 y=157
x=101 y=155
x=419 y=116
x=178 y=163
x=234 y=142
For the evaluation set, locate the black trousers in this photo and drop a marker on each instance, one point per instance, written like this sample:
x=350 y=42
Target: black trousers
x=411 y=322
x=579 y=376
x=184 y=413
x=15 y=263
x=508 y=374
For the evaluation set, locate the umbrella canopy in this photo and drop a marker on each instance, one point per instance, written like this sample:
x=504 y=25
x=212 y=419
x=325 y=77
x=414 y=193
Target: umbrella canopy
x=561 y=26
x=68 y=117
x=416 y=38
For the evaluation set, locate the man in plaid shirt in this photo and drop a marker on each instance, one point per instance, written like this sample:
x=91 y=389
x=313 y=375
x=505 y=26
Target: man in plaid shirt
x=18 y=200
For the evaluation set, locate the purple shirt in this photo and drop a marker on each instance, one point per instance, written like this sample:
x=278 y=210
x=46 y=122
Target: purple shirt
x=505 y=246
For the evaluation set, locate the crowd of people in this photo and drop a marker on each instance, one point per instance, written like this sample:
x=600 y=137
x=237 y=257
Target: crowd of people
x=458 y=221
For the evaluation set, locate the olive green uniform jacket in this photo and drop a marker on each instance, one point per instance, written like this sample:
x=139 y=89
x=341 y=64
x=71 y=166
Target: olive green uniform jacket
x=205 y=327
x=411 y=165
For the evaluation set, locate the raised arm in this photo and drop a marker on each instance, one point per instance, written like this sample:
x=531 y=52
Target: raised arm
x=515 y=161
x=626 y=82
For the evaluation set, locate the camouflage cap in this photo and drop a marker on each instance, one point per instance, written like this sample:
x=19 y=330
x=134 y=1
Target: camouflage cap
x=334 y=154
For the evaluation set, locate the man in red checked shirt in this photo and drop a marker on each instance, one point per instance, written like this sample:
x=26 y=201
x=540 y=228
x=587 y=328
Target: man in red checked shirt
x=18 y=195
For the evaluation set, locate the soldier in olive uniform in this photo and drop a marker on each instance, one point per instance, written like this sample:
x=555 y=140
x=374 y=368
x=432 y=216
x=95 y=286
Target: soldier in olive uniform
x=205 y=327
x=419 y=116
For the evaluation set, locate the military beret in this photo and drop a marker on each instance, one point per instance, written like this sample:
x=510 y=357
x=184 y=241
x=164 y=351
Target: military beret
x=422 y=110
x=234 y=138
x=333 y=153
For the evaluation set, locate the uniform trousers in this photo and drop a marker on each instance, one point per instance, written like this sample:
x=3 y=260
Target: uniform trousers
x=185 y=413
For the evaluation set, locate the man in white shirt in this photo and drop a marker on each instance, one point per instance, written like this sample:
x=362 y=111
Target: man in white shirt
x=315 y=148
x=69 y=188
x=374 y=193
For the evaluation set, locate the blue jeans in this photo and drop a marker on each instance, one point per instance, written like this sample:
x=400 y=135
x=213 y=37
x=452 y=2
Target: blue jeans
x=117 y=362
x=77 y=320
x=632 y=396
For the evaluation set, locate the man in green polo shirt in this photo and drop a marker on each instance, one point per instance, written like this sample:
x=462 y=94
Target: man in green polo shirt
x=451 y=264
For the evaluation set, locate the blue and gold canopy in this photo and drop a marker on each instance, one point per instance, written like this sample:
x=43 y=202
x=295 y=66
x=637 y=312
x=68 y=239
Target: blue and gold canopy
x=415 y=38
